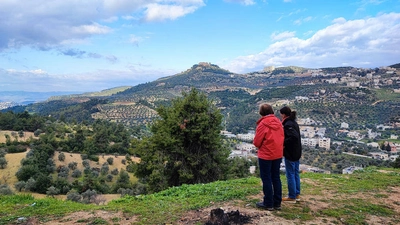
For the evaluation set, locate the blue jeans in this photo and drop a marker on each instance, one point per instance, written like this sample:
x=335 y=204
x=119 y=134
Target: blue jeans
x=272 y=186
x=293 y=177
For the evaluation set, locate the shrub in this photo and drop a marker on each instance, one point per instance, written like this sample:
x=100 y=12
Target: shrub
x=109 y=178
x=89 y=196
x=30 y=184
x=61 y=157
x=5 y=190
x=85 y=163
x=72 y=165
x=114 y=171
x=76 y=173
x=51 y=191
x=74 y=196
x=84 y=156
x=3 y=162
x=104 y=169
x=2 y=153
x=94 y=158
x=20 y=185
x=110 y=160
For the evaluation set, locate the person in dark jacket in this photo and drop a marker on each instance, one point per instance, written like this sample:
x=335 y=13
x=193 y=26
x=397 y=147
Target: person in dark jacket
x=269 y=141
x=292 y=153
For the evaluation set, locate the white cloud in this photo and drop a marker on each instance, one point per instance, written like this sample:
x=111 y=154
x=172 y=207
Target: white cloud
x=303 y=20
x=284 y=35
x=244 y=2
x=40 y=81
x=46 y=24
x=135 y=40
x=158 y=12
x=365 y=42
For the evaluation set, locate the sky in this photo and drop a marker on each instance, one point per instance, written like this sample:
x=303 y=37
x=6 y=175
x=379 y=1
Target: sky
x=93 y=45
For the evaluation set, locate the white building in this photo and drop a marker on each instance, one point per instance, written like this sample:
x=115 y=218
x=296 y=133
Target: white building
x=306 y=121
x=246 y=137
x=373 y=144
x=344 y=125
x=393 y=157
x=245 y=147
x=324 y=143
x=351 y=169
x=379 y=155
x=311 y=142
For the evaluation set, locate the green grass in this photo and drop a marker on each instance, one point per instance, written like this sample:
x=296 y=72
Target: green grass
x=386 y=94
x=333 y=198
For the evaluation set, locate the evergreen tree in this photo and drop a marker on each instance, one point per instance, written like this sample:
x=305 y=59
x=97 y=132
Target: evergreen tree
x=186 y=145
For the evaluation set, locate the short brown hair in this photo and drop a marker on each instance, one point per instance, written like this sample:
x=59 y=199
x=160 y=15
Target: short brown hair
x=266 y=109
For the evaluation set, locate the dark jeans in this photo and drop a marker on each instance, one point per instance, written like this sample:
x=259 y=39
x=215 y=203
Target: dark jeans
x=293 y=177
x=272 y=186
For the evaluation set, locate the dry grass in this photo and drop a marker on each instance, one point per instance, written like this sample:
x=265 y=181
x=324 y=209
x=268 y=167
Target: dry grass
x=75 y=157
x=13 y=164
x=26 y=136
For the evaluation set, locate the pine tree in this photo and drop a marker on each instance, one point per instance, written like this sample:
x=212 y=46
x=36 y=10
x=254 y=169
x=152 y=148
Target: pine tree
x=186 y=145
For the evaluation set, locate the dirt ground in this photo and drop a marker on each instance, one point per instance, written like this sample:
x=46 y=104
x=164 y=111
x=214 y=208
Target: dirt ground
x=244 y=213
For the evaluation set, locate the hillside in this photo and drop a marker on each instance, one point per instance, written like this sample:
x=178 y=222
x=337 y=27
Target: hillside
x=238 y=95
x=326 y=199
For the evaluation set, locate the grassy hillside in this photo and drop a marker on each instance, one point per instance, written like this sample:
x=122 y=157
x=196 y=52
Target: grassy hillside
x=371 y=196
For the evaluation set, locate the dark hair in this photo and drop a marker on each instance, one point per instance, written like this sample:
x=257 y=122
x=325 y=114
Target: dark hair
x=266 y=109
x=288 y=112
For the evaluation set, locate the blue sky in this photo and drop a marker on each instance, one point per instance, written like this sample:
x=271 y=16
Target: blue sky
x=92 y=45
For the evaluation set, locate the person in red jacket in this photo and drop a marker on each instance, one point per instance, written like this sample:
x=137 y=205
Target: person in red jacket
x=269 y=139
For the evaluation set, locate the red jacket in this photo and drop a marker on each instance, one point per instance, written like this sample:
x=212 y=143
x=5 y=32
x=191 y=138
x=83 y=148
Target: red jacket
x=269 y=138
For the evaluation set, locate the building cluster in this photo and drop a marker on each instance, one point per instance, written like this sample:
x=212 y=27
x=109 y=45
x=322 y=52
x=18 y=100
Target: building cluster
x=5 y=105
x=313 y=136
x=358 y=77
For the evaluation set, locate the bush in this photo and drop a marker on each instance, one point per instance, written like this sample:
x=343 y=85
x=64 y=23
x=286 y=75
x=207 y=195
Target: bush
x=86 y=163
x=16 y=149
x=72 y=165
x=125 y=191
x=109 y=178
x=84 y=157
x=74 y=196
x=2 y=153
x=76 y=173
x=94 y=158
x=114 y=171
x=5 y=190
x=104 y=169
x=30 y=184
x=61 y=157
x=51 y=191
x=3 y=162
x=20 y=185
x=89 y=196
x=110 y=160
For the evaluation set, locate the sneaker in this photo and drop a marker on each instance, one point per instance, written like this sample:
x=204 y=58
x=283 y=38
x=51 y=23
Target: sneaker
x=289 y=200
x=277 y=208
x=262 y=206
x=298 y=198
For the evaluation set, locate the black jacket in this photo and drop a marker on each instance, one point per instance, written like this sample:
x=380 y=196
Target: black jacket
x=292 y=144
